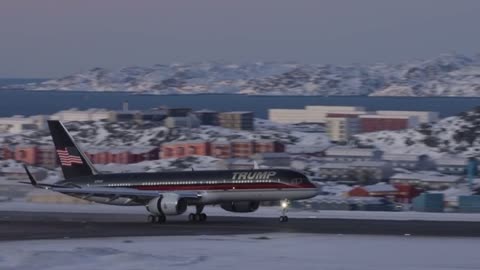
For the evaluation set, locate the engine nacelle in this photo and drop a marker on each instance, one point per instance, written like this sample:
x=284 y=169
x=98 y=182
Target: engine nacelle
x=240 y=207
x=170 y=204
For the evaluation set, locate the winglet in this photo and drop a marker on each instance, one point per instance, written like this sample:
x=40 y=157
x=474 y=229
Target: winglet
x=255 y=165
x=30 y=176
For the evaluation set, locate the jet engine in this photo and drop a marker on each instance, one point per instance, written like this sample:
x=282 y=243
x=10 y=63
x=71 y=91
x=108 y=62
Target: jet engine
x=241 y=206
x=170 y=204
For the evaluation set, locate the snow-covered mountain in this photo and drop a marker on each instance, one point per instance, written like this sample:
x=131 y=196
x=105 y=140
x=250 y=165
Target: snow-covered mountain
x=446 y=75
x=456 y=135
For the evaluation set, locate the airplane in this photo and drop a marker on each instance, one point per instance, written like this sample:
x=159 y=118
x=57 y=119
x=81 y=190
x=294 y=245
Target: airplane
x=170 y=193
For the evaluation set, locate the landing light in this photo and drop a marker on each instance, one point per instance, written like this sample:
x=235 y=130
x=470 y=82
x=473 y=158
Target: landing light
x=284 y=204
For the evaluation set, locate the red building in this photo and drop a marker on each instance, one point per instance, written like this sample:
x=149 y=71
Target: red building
x=242 y=148
x=406 y=192
x=123 y=155
x=185 y=148
x=268 y=146
x=221 y=149
x=26 y=154
x=372 y=123
x=377 y=190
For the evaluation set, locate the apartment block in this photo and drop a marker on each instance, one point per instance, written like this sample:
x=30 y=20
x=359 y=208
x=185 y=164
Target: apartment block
x=237 y=120
x=185 y=148
x=423 y=116
x=311 y=114
x=341 y=127
x=242 y=148
x=122 y=155
x=221 y=149
x=207 y=117
x=373 y=123
x=77 y=115
x=17 y=124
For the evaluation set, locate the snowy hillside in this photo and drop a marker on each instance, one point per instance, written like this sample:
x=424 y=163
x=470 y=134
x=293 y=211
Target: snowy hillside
x=459 y=135
x=446 y=75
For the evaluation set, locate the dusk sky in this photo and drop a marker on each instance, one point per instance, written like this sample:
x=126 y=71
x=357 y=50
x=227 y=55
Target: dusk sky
x=51 y=38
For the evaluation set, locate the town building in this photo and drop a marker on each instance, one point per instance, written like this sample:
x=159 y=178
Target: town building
x=179 y=149
x=122 y=155
x=240 y=164
x=268 y=146
x=452 y=165
x=77 y=115
x=349 y=154
x=355 y=172
x=426 y=180
x=404 y=161
x=275 y=160
x=371 y=170
x=237 y=120
x=242 y=148
x=46 y=156
x=207 y=117
x=424 y=117
x=188 y=121
x=335 y=172
x=18 y=123
x=376 y=190
x=220 y=149
x=311 y=114
x=26 y=154
x=374 y=122
x=341 y=127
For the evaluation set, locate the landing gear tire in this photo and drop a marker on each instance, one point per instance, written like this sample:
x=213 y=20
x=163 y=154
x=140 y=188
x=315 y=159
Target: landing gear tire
x=197 y=217
x=161 y=219
x=151 y=219
x=156 y=219
x=283 y=219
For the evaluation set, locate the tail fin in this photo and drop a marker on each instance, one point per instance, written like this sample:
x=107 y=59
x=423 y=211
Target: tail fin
x=73 y=161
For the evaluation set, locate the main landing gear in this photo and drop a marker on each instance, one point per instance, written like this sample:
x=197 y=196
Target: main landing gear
x=284 y=205
x=157 y=219
x=198 y=216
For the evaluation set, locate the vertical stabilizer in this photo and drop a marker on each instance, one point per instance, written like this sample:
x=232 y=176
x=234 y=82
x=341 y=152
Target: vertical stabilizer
x=73 y=161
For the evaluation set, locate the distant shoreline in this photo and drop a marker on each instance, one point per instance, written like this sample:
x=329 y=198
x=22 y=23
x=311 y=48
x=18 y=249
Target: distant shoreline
x=233 y=94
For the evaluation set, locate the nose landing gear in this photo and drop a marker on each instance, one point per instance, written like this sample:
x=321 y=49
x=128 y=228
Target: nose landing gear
x=284 y=205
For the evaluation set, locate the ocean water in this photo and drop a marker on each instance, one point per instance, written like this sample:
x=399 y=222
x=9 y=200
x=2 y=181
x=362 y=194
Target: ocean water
x=17 y=102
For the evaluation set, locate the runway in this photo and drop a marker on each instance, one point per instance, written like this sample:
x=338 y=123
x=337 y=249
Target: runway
x=46 y=225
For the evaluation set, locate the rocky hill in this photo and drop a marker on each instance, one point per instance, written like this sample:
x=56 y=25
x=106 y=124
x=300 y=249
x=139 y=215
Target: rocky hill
x=456 y=135
x=446 y=75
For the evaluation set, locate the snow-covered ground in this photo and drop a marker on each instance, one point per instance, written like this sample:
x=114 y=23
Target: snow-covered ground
x=269 y=251
x=453 y=137
x=262 y=212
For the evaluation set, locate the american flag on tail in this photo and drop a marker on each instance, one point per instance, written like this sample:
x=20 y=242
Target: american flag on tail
x=69 y=156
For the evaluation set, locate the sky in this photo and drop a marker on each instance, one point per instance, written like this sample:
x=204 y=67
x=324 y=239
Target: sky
x=52 y=38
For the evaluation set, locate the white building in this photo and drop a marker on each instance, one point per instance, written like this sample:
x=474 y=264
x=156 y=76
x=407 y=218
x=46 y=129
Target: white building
x=429 y=180
x=349 y=154
x=423 y=116
x=341 y=129
x=311 y=114
x=76 y=115
x=19 y=123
